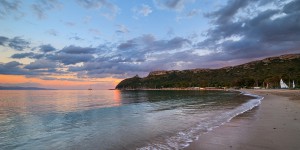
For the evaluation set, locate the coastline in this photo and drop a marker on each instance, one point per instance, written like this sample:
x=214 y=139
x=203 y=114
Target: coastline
x=178 y=89
x=274 y=124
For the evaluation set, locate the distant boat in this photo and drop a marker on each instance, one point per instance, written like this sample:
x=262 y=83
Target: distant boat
x=283 y=85
x=293 y=84
x=90 y=88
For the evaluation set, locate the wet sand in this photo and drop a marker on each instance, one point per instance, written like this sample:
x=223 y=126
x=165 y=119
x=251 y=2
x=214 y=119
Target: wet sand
x=274 y=125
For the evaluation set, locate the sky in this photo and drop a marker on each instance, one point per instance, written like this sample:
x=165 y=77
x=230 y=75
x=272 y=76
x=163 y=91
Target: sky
x=78 y=44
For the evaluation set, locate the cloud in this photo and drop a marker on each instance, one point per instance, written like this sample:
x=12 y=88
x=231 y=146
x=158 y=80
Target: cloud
x=259 y=35
x=134 y=56
x=292 y=7
x=77 y=38
x=12 y=67
x=227 y=12
x=3 y=40
x=193 y=12
x=22 y=55
x=87 y=19
x=73 y=55
x=110 y=67
x=42 y=6
x=122 y=29
x=94 y=4
x=70 y=24
x=177 y=5
x=109 y=10
x=140 y=48
x=10 y=7
x=100 y=68
x=52 y=32
x=143 y=10
x=95 y=31
x=68 y=59
x=36 y=68
x=41 y=64
x=37 y=56
x=237 y=40
x=61 y=79
x=46 y=48
x=18 y=43
x=190 y=14
x=12 y=64
x=77 y=50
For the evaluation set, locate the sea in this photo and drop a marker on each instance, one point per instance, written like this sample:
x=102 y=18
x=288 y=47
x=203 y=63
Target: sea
x=114 y=119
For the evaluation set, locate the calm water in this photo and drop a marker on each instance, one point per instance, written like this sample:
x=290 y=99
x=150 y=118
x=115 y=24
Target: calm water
x=106 y=119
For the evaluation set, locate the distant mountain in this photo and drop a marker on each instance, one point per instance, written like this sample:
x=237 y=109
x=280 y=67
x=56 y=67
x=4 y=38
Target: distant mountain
x=22 y=88
x=262 y=73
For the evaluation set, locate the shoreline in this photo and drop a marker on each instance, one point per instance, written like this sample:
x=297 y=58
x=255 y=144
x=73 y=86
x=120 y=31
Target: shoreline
x=178 y=89
x=274 y=124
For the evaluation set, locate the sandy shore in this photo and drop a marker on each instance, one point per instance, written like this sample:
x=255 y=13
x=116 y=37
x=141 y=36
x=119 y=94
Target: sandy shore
x=274 y=125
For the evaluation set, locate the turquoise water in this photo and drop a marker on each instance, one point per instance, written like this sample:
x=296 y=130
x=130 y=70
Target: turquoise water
x=112 y=119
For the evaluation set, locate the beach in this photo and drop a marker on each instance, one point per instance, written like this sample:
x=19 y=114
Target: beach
x=274 y=124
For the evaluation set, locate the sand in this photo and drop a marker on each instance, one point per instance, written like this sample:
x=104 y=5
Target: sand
x=274 y=125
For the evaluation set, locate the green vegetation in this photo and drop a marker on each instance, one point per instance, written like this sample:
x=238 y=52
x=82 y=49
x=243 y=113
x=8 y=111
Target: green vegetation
x=263 y=73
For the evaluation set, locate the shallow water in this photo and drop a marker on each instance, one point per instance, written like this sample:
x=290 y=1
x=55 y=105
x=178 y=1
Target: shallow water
x=105 y=119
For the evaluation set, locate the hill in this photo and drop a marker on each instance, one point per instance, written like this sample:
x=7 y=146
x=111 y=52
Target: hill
x=21 y=88
x=262 y=73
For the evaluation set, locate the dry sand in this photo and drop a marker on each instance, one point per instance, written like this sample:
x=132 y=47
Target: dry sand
x=273 y=125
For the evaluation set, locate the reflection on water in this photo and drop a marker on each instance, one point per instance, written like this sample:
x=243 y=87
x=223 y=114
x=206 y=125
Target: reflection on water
x=117 y=97
x=103 y=119
x=59 y=101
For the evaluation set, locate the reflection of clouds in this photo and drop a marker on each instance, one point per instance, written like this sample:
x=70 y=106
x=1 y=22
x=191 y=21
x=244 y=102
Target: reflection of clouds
x=27 y=115
x=31 y=117
x=27 y=102
x=13 y=102
x=67 y=101
x=129 y=97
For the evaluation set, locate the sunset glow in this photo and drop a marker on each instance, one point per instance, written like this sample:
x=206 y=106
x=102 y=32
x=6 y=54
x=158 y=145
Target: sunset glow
x=19 y=80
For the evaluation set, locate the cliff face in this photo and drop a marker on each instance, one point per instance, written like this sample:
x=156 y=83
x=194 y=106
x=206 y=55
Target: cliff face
x=266 y=72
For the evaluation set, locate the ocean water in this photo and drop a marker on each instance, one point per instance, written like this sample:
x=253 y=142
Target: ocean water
x=112 y=119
